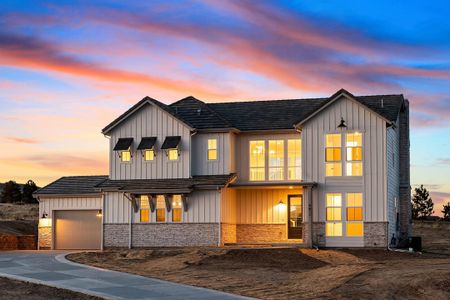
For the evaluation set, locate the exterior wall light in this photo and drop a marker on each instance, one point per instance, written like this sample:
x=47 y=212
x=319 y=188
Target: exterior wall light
x=342 y=124
x=45 y=221
x=99 y=213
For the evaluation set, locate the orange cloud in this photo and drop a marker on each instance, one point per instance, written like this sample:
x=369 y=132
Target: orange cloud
x=22 y=140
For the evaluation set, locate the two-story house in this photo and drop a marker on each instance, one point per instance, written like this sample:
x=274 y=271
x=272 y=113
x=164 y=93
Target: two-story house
x=328 y=172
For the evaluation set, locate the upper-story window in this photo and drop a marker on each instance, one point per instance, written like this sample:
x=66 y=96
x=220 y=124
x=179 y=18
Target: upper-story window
x=276 y=160
x=354 y=155
x=257 y=160
x=149 y=155
x=333 y=155
x=294 y=159
x=172 y=154
x=212 y=149
x=125 y=156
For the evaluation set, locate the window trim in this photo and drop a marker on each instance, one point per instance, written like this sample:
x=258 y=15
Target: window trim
x=148 y=209
x=180 y=208
x=362 y=153
x=287 y=159
x=156 y=209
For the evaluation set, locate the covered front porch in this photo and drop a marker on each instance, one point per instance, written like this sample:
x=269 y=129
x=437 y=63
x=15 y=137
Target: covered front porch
x=267 y=214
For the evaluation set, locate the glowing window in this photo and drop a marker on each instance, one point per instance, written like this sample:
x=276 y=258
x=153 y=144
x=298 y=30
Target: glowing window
x=125 y=155
x=354 y=153
x=144 y=209
x=176 y=208
x=257 y=160
x=149 y=155
x=294 y=159
x=276 y=160
x=334 y=214
x=354 y=214
x=333 y=155
x=172 y=154
x=212 y=149
x=160 y=208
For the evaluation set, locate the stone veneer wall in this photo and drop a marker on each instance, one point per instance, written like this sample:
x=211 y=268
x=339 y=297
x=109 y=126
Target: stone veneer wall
x=375 y=234
x=261 y=233
x=318 y=238
x=45 y=237
x=115 y=235
x=228 y=233
x=162 y=235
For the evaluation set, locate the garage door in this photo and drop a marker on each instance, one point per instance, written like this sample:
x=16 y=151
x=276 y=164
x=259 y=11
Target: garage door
x=77 y=229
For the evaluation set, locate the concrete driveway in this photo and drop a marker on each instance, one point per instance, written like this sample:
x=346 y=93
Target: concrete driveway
x=51 y=268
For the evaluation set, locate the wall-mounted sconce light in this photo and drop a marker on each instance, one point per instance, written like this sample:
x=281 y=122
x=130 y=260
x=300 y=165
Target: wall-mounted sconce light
x=342 y=124
x=45 y=221
x=99 y=213
x=44 y=215
x=280 y=202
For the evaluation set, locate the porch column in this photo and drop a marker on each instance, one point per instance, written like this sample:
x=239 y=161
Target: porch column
x=307 y=212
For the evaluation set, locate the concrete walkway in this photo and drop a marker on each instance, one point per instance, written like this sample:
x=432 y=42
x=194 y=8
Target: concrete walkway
x=51 y=268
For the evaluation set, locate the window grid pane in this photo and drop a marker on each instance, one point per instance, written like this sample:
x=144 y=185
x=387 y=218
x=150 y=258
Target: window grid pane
x=257 y=160
x=149 y=155
x=333 y=169
x=212 y=154
x=173 y=154
x=125 y=155
x=294 y=159
x=276 y=160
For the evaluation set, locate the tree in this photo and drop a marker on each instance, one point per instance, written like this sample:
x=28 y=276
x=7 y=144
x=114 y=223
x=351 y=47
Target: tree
x=28 y=189
x=446 y=211
x=11 y=192
x=422 y=204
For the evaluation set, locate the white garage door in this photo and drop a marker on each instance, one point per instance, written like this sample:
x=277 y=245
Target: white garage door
x=77 y=229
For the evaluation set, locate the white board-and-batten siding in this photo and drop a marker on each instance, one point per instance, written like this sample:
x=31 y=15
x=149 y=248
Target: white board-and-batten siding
x=48 y=205
x=150 y=121
x=203 y=207
x=225 y=151
x=373 y=182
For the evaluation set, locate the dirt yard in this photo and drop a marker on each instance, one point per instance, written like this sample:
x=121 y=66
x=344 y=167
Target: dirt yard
x=275 y=273
x=13 y=290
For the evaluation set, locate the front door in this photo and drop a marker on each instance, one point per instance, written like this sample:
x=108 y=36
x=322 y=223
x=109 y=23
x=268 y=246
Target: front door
x=295 y=216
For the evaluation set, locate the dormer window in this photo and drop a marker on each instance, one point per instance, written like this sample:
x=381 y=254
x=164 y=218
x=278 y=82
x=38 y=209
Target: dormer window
x=123 y=148
x=171 y=145
x=147 y=146
x=212 y=149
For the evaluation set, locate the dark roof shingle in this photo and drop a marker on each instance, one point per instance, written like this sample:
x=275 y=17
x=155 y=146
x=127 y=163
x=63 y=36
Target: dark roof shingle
x=167 y=184
x=72 y=185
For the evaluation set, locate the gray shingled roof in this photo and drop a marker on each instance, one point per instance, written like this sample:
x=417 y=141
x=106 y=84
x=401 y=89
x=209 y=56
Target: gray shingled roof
x=167 y=184
x=261 y=115
x=72 y=185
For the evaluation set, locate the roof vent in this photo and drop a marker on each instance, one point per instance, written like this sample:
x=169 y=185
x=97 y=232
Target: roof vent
x=382 y=103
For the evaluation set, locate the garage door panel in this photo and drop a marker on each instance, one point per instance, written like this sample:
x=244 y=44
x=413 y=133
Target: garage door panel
x=77 y=229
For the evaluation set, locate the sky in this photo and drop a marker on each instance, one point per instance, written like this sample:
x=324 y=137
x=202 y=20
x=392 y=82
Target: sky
x=67 y=68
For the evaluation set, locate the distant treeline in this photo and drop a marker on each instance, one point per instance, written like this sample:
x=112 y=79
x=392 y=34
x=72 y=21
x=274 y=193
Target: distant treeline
x=12 y=192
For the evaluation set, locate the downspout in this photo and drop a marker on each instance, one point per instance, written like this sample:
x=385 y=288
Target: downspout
x=219 y=243
x=310 y=212
x=39 y=216
x=130 y=227
x=103 y=221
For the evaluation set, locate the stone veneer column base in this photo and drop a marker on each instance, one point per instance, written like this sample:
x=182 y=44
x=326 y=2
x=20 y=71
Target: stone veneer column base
x=45 y=237
x=318 y=235
x=228 y=233
x=261 y=233
x=161 y=235
x=375 y=234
